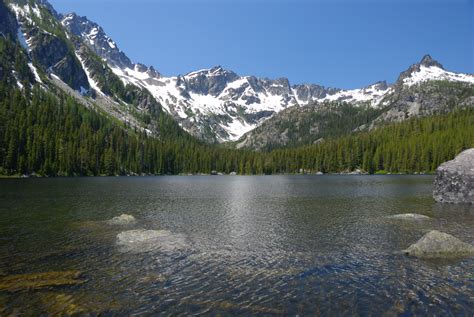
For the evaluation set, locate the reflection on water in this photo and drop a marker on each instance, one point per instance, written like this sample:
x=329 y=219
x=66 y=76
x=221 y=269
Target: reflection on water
x=273 y=245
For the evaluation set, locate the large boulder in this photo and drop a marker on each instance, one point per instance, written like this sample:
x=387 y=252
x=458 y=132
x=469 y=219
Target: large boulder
x=436 y=244
x=454 y=181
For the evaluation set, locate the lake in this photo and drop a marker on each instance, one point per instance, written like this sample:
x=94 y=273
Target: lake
x=233 y=245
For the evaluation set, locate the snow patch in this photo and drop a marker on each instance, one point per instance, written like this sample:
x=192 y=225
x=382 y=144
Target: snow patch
x=36 y=11
x=55 y=76
x=237 y=83
x=35 y=72
x=369 y=94
x=238 y=128
x=91 y=81
x=111 y=43
x=436 y=73
x=21 y=12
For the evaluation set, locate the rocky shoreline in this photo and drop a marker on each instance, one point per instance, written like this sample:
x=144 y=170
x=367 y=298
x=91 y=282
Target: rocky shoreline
x=454 y=181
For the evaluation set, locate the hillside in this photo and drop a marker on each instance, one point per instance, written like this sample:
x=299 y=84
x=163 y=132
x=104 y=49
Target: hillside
x=66 y=111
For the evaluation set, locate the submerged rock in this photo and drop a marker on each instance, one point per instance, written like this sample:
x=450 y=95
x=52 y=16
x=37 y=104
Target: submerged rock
x=248 y=309
x=62 y=305
x=122 y=220
x=436 y=244
x=83 y=304
x=141 y=240
x=409 y=216
x=15 y=283
x=454 y=181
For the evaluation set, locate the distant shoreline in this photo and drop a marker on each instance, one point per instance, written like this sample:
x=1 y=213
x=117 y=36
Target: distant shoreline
x=197 y=175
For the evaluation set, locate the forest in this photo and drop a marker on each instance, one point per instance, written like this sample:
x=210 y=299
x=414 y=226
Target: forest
x=52 y=134
x=47 y=135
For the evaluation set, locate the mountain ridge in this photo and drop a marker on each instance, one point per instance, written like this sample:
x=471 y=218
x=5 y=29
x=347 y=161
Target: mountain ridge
x=232 y=112
x=65 y=111
x=218 y=105
x=215 y=104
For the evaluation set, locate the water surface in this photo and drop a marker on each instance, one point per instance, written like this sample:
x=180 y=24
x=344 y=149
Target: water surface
x=262 y=245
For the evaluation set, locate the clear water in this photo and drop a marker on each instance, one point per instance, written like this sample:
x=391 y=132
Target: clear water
x=263 y=245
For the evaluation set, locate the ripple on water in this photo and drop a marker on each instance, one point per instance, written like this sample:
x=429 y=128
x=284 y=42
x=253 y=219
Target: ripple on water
x=141 y=240
x=234 y=246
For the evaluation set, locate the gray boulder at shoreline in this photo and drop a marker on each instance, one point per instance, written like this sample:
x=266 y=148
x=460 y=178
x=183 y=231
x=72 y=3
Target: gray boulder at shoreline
x=454 y=181
x=436 y=244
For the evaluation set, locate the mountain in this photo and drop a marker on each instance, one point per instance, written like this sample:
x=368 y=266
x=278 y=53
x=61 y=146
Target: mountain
x=63 y=112
x=218 y=105
x=71 y=103
x=61 y=60
x=215 y=104
x=310 y=124
x=424 y=89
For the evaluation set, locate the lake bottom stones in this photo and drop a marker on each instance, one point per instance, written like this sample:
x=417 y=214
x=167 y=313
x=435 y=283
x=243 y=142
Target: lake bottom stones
x=141 y=240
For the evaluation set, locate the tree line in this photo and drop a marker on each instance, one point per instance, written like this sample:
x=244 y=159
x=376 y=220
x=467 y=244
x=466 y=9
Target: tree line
x=57 y=136
x=54 y=135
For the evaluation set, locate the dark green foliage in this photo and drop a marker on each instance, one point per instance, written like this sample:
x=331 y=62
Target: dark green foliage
x=57 y=136
x=307 y=124
x=53 y=134
x=14 y=68
x=416 y=145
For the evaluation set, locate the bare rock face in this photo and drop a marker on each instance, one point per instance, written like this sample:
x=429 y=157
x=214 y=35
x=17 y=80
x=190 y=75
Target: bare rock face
x=436 y=244
x=454 y=181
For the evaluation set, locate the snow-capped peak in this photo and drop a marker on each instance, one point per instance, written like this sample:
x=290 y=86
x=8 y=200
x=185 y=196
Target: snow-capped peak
x=373 y=94
x=429 y=69
x=435 y=73
x=214 y=71
x=95 y=37
x=219 y=105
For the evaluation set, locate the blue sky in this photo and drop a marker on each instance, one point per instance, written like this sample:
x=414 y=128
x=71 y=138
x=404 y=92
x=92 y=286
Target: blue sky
x=337 y=43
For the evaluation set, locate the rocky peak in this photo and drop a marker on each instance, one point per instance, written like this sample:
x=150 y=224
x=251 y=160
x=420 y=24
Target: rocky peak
x=145 y=69
x=217 y=69
x=50 y=8
x=96 y=38
x=307 y=93
x=381 y=85
x=280 y=86
x=209 y=81
x=152 y=72
x=140 y=68
x=426 y=61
